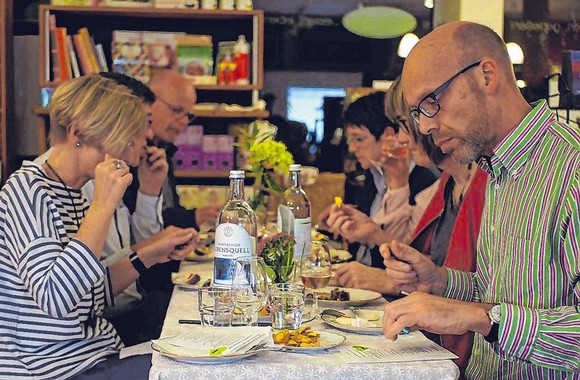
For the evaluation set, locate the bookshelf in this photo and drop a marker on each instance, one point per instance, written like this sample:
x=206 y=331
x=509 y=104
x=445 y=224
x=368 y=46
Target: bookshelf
x=6 y=86
x=222 y=25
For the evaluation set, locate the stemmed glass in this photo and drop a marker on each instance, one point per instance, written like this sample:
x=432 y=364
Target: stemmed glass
x=315 y=269
x=249 y=287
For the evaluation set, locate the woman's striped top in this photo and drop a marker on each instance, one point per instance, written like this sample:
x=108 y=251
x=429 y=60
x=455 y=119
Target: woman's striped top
x=52 y=287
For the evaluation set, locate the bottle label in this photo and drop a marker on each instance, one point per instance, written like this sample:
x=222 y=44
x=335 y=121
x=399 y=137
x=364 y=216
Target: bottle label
x=303 y=237
x=231 y=242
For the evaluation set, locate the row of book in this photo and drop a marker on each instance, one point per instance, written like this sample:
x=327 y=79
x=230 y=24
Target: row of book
x=201 y=152
x=138 y=53
x=73 y=55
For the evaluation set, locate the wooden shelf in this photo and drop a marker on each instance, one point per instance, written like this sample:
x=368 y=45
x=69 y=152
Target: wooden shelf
x=141 y=12
x=207 y=87
x=41 y=111
x=232 y=114
x=200 y=174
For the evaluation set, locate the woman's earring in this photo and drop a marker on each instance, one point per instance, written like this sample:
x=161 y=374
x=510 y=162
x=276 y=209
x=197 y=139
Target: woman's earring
x=78 y=144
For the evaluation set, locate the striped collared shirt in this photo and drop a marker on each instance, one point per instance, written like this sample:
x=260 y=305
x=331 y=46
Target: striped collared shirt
x=528 y=254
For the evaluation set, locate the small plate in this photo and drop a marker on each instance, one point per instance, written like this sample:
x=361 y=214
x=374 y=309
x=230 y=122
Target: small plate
x=378 y=330
x=223 y=359
x=202 y=254
x=339 y=255
x=358 y=297
x=327 y=340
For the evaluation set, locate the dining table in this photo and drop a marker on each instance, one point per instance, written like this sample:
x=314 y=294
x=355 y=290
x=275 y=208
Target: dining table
x=279 y=365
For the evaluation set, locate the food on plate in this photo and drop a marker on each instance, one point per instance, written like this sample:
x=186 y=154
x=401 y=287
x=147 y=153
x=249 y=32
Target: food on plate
x=338 y=202
x=187 y=278
x=356 y=322
x=302 y=337
x=335 y=294
x=264 y=312
x=339 y=255
x=192 y=278
x=318 y=236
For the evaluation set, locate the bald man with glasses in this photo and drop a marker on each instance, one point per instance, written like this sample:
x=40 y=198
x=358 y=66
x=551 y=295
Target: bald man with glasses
x=523 y=300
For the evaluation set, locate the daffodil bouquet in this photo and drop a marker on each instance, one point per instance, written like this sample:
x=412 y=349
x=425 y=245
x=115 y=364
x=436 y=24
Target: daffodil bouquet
x=278 y=253
x=266 y=156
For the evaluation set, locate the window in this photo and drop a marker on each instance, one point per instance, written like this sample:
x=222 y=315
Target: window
x=305 y=105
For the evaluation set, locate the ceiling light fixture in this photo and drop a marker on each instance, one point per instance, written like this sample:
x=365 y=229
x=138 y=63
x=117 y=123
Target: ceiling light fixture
x=429 y=4
x=379 y=22
x=407 y=43
x=516 y=53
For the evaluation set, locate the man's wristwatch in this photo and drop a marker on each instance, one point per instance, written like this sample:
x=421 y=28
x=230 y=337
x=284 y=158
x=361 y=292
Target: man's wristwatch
x=494 y=315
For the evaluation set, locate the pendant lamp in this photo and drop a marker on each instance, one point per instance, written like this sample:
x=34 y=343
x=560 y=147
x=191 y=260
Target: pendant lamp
x=379 y=22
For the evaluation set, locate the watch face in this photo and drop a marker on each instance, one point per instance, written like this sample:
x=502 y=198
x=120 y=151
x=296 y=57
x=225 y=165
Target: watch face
x=495 y=313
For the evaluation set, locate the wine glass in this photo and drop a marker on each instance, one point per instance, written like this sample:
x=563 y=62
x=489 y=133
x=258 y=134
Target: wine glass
x=315 y=269
x=249 y=287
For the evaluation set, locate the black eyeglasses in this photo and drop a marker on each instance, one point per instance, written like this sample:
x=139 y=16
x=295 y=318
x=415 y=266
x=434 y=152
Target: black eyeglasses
x=402 y=123
x=429 y=105
x=178 y=112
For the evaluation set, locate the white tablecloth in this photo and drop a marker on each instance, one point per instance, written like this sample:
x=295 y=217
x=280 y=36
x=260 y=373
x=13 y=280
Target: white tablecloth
x=283 y=365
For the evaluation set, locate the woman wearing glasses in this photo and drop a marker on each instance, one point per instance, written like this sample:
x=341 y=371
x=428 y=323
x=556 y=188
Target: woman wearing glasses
x=449 y=227
x=53 y=287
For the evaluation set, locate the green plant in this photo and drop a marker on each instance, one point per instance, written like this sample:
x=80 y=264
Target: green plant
x=278 y=253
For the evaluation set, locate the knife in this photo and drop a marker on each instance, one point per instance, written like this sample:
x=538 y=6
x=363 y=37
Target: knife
x=198 y=322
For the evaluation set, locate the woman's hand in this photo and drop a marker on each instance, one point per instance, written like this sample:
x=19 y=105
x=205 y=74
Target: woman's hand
x=172 y=243
x=352 y=224
x=112 y=178
x=413 y=270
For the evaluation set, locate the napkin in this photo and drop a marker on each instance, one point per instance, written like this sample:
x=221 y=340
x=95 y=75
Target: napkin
x=215 y=341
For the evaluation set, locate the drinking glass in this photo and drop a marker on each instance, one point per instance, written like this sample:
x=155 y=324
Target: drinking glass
x=215 y=306
x=393 y=148
x=249 y=287
x=315 y=269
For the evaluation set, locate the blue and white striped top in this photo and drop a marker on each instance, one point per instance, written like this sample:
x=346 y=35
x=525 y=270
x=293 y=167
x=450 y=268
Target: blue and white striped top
x=52 y=287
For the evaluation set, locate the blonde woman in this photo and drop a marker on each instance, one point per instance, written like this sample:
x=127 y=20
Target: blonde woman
x=53 y=288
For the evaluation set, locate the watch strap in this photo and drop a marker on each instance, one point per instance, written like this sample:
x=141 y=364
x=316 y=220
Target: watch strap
x=492 y=336
x=137 y=263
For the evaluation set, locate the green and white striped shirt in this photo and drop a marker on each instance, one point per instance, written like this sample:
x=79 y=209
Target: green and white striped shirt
x=528 y=254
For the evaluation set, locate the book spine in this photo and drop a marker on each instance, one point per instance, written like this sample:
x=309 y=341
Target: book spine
x=53 y=50
x=101 y=58
x=61 y=48
x=79 y=47
x=73 y=58
x=89 y=49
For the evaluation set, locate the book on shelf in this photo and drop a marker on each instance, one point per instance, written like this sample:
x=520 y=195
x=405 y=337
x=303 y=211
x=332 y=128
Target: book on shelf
x=101 y=58
x=74 y=63
x=160 y=49
x=128 y=3
x=89 y=46
x=195 y=58
x=129 y=55
x=63 y=57
x=52 y=64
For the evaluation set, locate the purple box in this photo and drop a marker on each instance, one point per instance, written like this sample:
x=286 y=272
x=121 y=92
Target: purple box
x=225 y=153
x=209 y=150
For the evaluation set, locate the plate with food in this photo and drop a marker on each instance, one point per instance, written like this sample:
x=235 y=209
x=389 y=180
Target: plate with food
x=201 y=254
x=219 y=359
x=339 y=255
x=306 y=339
x=366 y=322
x=339 y=298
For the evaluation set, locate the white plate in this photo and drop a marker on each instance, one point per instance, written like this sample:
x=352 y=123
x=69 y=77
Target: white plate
x=201 y=258
x=223 y=359
x=339 y=255
x=378 y=330
x=358 y=297
x=327 y=340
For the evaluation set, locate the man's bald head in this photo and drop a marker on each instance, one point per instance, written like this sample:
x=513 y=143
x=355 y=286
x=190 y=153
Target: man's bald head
x=175 y=99
x=452 y=46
